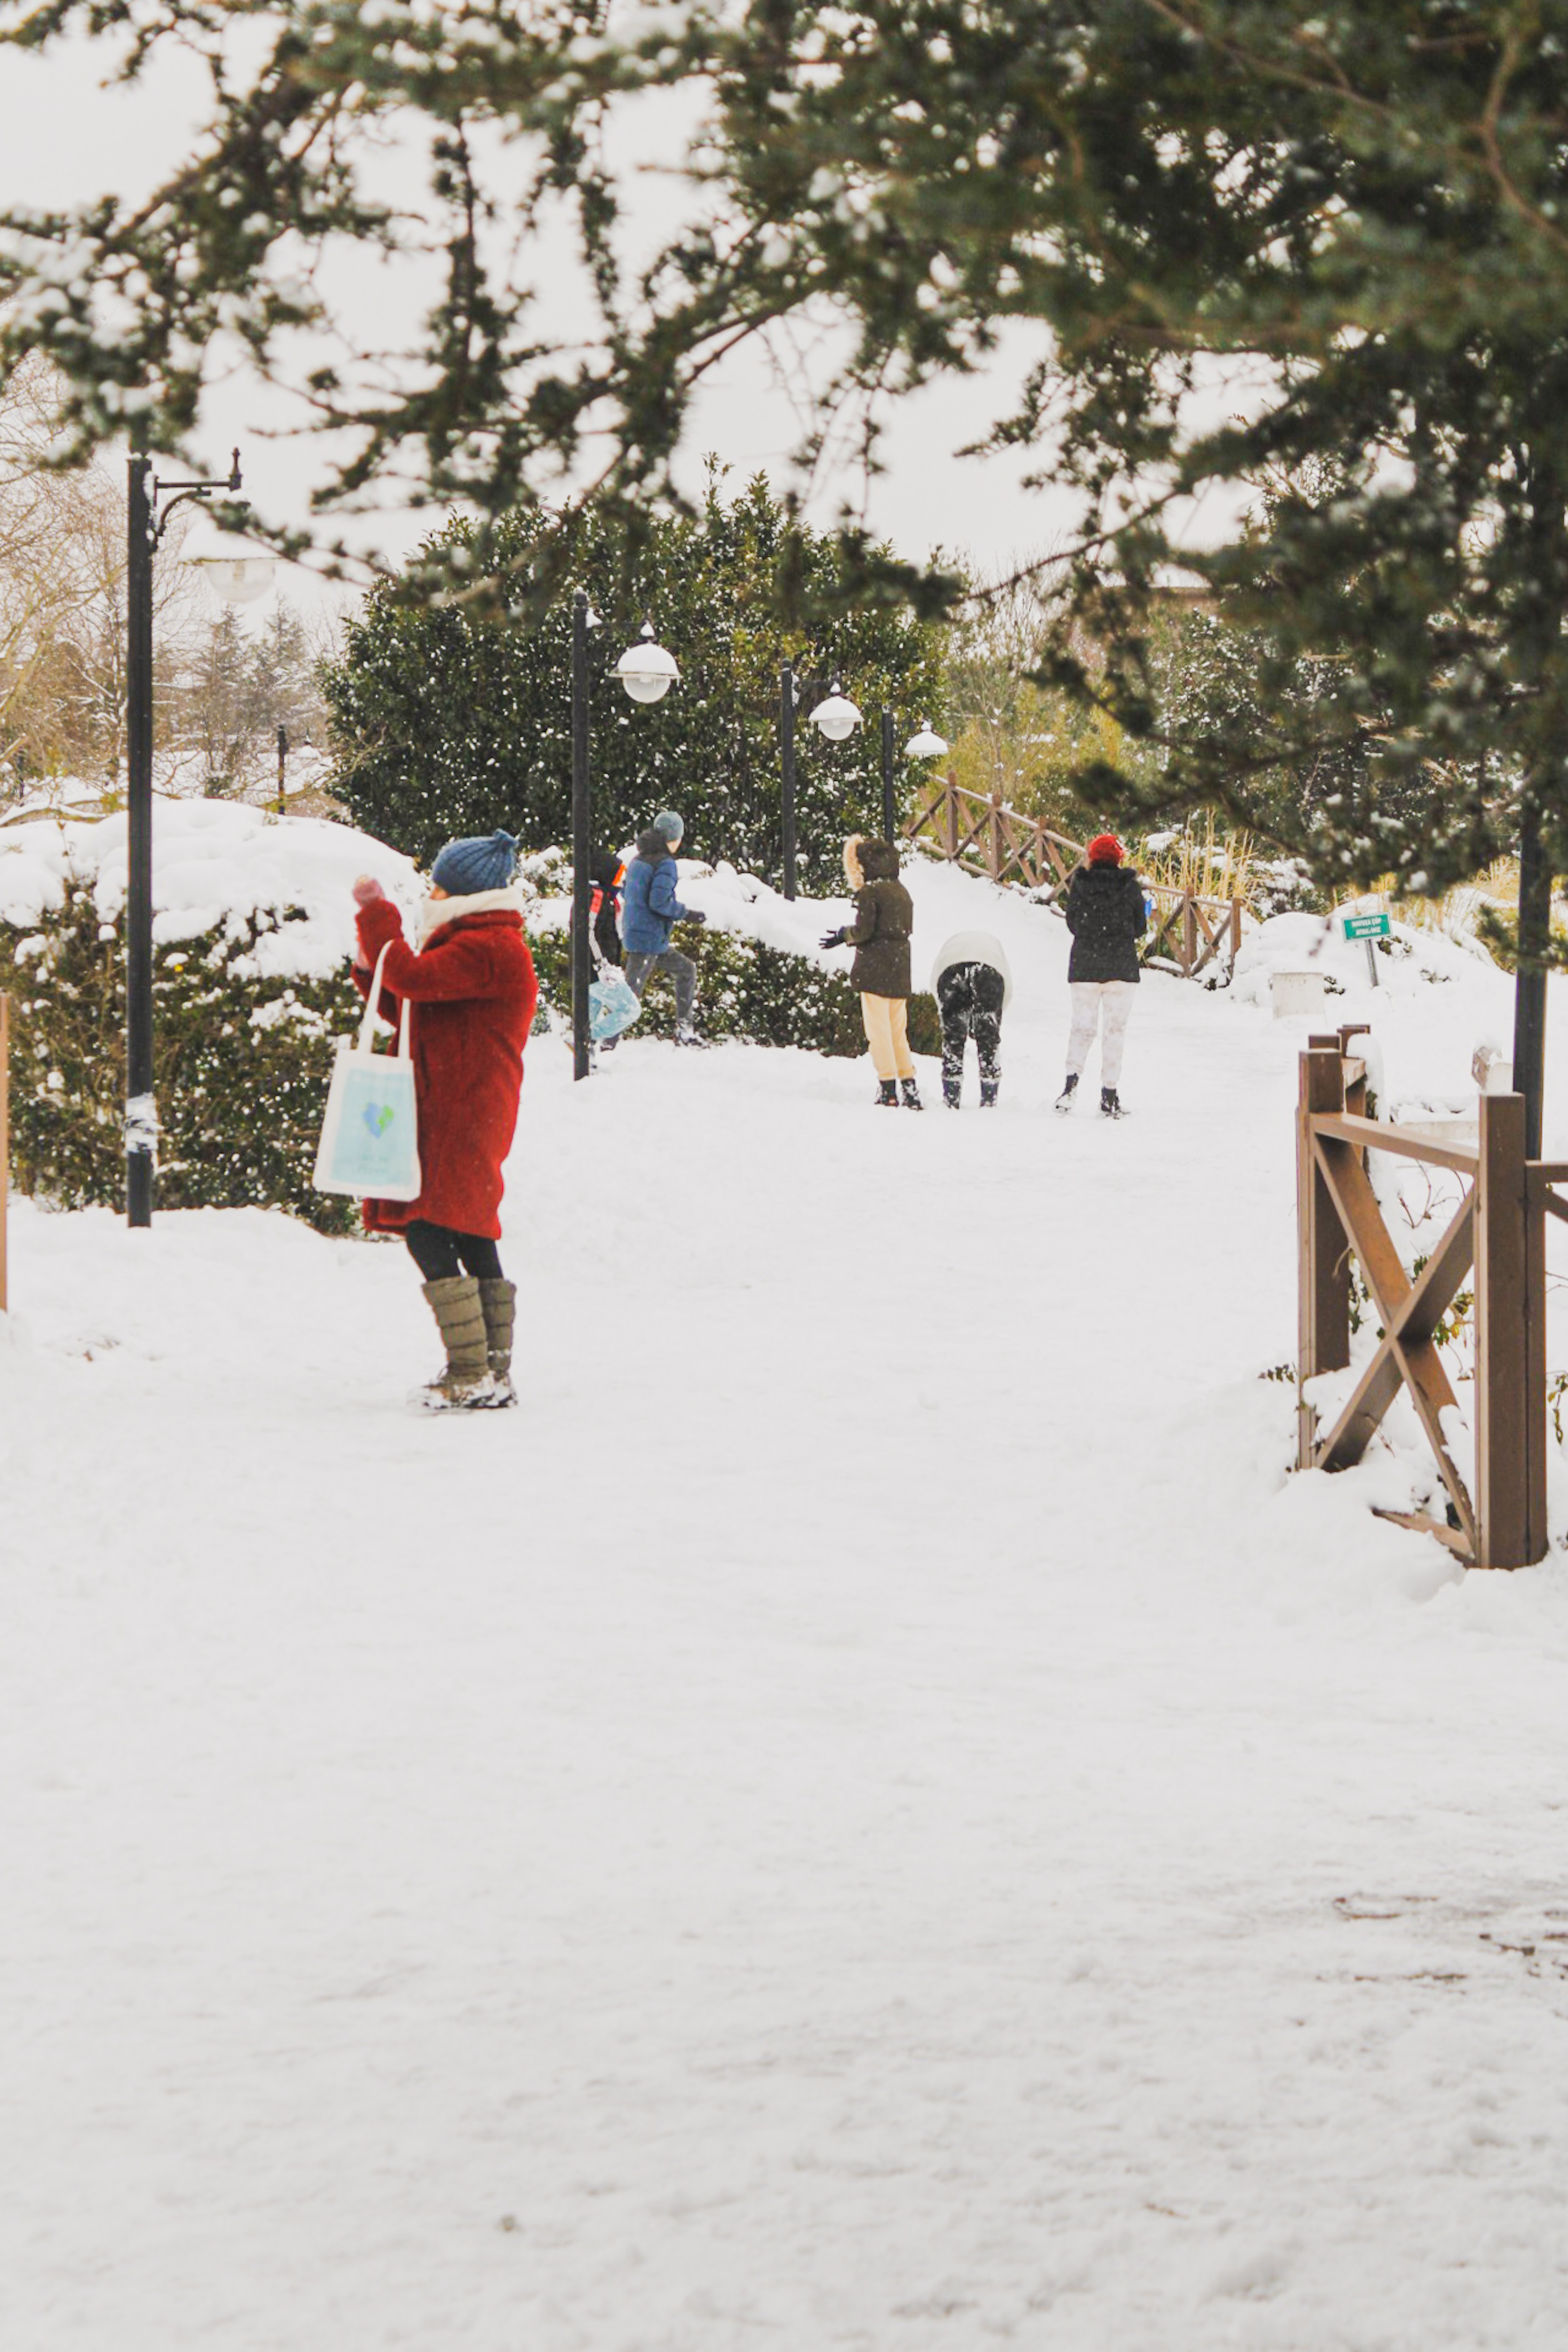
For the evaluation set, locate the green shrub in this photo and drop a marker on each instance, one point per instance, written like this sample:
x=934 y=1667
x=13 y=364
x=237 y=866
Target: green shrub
x=241 y=1066
x=744 y=990
x=450 y=720
x=242 y=1062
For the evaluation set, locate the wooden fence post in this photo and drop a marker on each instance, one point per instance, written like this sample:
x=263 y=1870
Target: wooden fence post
x=995 y=859
x=1354 y=1088
x=1235 y=931
x=1322 y=1252
x=5 y=1134
x=1510 y=1363
x=952 y=813
x=1189 y=935
x=1537 y=1537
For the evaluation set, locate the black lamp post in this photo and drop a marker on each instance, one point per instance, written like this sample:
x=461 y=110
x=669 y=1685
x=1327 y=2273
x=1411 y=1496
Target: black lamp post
x=926 y=745
x=787 y=769
x=147 y=519
x=647 y=672
x=1530 y=978
x=581 y=851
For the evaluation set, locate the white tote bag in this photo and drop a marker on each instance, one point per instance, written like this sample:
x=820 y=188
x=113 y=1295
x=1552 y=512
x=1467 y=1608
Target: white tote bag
x=370 y=1139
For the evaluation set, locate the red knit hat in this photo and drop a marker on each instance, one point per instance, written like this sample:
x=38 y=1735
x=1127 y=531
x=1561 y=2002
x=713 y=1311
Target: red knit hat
x=1105 y=850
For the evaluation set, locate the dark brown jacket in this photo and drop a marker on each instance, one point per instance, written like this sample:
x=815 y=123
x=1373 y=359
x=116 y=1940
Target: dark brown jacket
x=884 y=916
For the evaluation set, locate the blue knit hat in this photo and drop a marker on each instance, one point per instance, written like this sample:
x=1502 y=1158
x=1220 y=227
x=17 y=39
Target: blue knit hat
x=465 y=868
x=671 y=825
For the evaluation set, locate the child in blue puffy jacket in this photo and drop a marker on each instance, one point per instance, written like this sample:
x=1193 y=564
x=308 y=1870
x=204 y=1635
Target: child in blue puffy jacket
x=650 y=911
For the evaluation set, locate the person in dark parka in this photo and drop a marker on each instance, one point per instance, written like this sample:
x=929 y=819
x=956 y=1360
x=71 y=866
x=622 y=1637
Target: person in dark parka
x=608 y=875
x=1106 y=915
x=884 y=918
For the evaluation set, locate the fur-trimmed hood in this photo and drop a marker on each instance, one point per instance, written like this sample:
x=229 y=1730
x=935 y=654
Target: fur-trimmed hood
x=868 y=859
x=437 y=912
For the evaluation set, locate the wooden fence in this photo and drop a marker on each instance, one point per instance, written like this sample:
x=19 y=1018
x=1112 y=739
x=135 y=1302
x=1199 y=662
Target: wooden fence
x=978 y=830
x=5 y=1133
x=1500 y=1229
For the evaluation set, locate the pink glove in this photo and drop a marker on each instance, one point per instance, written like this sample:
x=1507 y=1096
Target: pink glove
x=367 y=889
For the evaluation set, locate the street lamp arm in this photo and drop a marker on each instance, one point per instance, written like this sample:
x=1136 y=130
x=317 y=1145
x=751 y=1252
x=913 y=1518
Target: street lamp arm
x=185 y=490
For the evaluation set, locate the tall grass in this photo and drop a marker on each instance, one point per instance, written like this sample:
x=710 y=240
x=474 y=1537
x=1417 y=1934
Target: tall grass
x=1209 y=861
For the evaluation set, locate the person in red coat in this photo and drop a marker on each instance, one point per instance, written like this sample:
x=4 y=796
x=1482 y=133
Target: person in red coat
x=471 y=991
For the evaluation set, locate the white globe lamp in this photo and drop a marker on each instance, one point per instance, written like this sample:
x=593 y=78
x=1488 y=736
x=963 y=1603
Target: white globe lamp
x=926 y=745
x=236 y=571
x=837 y=718
x=647 y=670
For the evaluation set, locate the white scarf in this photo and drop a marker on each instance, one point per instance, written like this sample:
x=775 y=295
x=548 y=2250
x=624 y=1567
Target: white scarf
x=434 y=912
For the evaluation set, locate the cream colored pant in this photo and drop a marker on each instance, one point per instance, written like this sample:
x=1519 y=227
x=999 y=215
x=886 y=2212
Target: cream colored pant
x=1103 y=1005
x=886 y=1021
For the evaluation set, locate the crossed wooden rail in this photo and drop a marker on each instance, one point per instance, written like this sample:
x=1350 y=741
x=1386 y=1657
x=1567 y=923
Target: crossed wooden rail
x=5 y=1133
x=1499 y=1227
x=979 y=829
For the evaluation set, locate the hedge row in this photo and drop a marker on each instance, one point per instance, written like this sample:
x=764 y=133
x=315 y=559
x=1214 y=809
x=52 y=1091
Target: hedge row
x=241 y=1067
x=242 y=1063
x=745 y=990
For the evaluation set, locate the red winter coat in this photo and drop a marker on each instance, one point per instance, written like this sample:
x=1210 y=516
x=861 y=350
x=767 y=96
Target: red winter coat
x=472 y=994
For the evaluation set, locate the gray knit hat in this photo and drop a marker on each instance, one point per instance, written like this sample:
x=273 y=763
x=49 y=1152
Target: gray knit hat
x=671 y=825
x=466 y=867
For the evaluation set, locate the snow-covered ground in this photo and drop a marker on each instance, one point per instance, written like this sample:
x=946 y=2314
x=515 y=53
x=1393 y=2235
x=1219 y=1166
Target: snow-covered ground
x=870 y=1812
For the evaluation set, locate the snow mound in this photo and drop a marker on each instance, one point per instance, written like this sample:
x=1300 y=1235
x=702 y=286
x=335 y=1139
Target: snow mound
x=947 y=899
x=215 y=865
x=1408 y=959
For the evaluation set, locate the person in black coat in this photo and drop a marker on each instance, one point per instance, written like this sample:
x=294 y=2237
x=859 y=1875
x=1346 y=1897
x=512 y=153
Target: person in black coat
x=607 y=873
x=1106 y=915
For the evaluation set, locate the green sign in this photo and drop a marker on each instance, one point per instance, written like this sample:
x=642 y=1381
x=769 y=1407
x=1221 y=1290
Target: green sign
x=1366 y=927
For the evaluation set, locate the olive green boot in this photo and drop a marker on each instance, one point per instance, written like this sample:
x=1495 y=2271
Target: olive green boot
x=498 y=1301
x=460 y=1319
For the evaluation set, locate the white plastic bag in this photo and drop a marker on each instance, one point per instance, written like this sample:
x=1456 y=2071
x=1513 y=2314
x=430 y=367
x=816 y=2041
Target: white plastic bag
x=370 y=1136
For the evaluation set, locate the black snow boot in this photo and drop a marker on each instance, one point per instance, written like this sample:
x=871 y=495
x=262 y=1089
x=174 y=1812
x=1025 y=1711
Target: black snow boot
x=912 y=1095
x=1111 y=1106
x=1065 y=1099
x=887 y=1094
x=989 y=1093
x=952 y=1092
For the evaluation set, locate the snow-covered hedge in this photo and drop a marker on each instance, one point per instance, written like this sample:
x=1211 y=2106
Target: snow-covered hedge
x=761 y=975
x=252 y=936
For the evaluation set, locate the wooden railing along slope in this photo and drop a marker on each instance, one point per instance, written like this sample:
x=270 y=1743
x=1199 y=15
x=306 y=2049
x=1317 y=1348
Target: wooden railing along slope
x=979 y=831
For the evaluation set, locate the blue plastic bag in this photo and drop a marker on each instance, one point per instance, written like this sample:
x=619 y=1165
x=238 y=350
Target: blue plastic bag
x=613 y=1004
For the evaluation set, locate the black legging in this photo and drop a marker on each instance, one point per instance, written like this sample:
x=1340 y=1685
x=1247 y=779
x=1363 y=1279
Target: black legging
x=440 y=1253
x=970 y=997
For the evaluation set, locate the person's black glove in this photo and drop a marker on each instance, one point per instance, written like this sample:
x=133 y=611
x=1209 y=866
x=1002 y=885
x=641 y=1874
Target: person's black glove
x=833 y=939
x=694 y=915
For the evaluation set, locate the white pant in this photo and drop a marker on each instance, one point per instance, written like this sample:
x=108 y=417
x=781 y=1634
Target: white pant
x=1101 y=1004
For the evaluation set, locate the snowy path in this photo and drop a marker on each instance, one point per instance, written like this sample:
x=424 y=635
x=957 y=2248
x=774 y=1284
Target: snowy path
x=867 y=1814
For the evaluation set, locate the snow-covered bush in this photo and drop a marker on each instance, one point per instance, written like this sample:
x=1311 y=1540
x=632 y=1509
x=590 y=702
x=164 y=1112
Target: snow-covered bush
x=746 y=990
x=761 y=976
x=251 y=943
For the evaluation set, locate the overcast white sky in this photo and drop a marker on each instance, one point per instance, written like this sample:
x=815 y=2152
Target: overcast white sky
x=65 y=139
